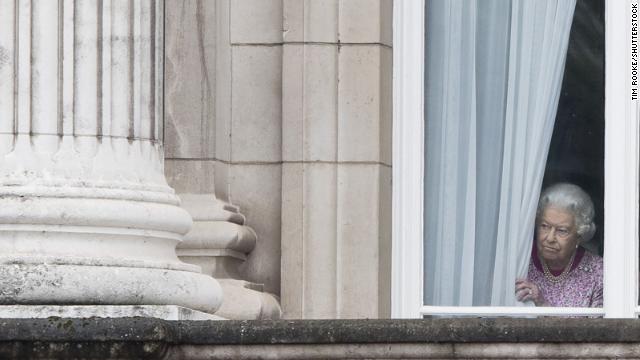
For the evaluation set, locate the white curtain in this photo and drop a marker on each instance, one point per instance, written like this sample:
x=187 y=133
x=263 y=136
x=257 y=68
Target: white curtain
x=493 y=76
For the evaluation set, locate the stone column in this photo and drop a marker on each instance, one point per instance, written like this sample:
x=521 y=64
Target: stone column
x=86 y=215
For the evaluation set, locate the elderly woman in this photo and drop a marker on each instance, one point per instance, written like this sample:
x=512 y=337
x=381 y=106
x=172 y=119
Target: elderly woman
x=561 y=272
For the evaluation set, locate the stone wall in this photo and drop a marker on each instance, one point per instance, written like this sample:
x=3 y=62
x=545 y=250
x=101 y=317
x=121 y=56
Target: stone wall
x=223 y=117
x=283 y=109
x=190 y=89
x=336 y=241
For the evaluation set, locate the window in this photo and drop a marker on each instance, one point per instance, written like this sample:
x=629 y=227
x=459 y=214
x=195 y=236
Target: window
x=621 y=174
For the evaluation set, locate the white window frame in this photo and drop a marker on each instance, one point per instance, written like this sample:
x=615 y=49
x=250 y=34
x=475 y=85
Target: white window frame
x=621 y=205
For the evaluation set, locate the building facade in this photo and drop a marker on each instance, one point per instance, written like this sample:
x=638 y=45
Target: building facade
x=282 y=110
x=224 y=159
x=270 y=120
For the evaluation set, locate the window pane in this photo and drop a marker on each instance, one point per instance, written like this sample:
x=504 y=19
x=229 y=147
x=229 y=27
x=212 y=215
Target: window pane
x=496 y=104
x=576 y=153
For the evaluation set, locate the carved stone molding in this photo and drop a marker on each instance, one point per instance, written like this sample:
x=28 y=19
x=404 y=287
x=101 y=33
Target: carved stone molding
x=219 y=243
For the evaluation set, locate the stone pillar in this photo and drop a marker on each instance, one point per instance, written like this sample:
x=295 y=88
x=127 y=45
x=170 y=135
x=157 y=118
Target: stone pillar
x=86 y=216
x=223 y=76
x=336 y=149
x=198 y=139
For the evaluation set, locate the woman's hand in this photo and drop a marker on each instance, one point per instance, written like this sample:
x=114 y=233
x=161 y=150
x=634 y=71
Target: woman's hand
x=528 y=291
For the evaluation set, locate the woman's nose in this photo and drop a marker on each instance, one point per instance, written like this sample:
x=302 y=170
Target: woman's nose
x=551 y=235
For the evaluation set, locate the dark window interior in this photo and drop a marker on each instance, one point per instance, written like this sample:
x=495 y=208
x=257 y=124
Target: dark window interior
x=576 y=153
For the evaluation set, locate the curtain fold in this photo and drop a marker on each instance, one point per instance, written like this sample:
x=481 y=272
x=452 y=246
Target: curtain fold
x=493 y=75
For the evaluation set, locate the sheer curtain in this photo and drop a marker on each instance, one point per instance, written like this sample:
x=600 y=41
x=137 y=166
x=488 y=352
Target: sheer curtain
x=493 y=77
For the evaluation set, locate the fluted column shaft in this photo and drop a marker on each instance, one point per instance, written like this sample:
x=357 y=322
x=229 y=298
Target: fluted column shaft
x=85 y=210
x=81 y=74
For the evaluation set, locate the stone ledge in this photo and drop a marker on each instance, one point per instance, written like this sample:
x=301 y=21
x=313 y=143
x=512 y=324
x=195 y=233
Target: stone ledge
x=467 y=330
x=441 y=338
x=254 y=332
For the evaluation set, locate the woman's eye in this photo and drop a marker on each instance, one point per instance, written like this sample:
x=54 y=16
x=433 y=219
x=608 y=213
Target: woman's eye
x=544 y=227
x=563 y=232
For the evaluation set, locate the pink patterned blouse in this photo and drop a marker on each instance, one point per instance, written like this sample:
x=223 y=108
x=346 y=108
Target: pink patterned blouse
x=581 y=288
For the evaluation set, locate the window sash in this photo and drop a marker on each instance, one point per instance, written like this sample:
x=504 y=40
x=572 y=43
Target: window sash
x=621 y=205
x=621 y=167
x=408 y=159
x=509 y=311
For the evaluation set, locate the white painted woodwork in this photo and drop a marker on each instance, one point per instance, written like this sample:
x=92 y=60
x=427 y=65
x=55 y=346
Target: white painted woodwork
x=493 y=311
x=408 y=144
x=621 y=167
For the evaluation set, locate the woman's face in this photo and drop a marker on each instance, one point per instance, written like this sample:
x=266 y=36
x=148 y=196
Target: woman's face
x=556 y=236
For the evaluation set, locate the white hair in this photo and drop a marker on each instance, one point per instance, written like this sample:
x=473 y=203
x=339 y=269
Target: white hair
x=571 y=198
